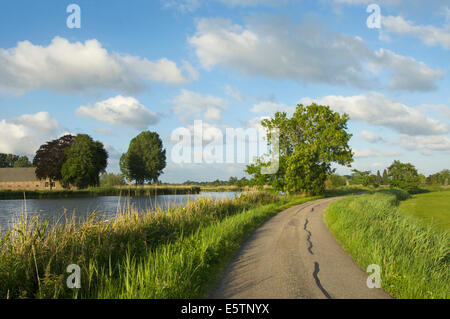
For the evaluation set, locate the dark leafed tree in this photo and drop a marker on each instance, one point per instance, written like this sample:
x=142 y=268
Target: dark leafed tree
x=50 y=158
x=145 y=159
x=86 y=159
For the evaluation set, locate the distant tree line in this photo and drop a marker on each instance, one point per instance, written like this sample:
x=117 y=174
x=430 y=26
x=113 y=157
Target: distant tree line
x=440 y=178
x=232 y=181
x=401 y=175
x=11 y=160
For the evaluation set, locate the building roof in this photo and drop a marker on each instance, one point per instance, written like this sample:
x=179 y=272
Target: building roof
x=22 y=174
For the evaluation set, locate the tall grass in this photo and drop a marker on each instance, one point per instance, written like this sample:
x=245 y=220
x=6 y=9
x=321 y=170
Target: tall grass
x=414 y=256
x=188 y=267
x=34 y=256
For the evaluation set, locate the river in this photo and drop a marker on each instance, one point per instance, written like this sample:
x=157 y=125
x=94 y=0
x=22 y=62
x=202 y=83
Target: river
x=106 y=207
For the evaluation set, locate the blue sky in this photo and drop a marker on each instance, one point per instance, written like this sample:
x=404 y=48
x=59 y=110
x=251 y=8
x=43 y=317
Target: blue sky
x=158 y=65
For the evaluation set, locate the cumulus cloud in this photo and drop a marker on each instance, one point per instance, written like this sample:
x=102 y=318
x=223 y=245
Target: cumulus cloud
x=26 y=133
x=305 y=52
x=188 y=6
x=444 y=110
x=423 y=143
x=68 y=67
x=380 y=2
x=120 y=110
x=371 y=137
x=182 y=5
x=202 y=131
x=234 y=92
x=376 y=109
x=269 y=107
x=253 y=3
x=405 y=72
x=430 y=35
x=190 y=104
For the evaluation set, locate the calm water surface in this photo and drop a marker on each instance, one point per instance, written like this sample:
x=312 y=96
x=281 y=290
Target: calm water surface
x=106 y=207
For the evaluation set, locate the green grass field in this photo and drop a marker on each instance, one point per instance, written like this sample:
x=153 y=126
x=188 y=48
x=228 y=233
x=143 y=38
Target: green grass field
x=433 y=207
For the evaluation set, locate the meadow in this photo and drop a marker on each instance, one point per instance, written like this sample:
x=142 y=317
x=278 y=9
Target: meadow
x=414 y=255
x=432 y=207
x=176 y=253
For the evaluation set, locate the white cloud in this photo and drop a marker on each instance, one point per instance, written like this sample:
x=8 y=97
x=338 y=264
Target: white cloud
x=374 y=153
x=189 y=6
x=205 y=133
x=405 y=72
x=269 y=107
x=68 y=67
x=444 y=110
x=371 y=137
x=423 y=143
x=430 y=35
x=253 y=3
x=256 y=123
x=191 y=104
x=305 y=52
x=234 y=92
x=182 y=5
x=380 y=2
x=26 y=133
x=376 y=109
x=120 y=110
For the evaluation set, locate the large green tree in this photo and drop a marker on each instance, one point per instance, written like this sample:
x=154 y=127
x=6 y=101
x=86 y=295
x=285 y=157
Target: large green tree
x=86 y=159
x=309 y=142
x=50 y=158
x=403 y=175
x=361 y=177
x=145 y=159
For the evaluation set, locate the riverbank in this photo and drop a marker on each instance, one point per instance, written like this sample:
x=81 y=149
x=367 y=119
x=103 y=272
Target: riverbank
x=413 y=255
x=100 y=191
x=176 y=253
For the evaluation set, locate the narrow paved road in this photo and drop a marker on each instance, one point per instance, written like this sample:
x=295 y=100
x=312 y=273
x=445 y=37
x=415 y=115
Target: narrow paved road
x=294 y=256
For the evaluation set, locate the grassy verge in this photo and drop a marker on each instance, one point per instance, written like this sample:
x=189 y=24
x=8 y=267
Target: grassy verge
x=414 y=256
x=99 y=191
x=182 y=244
x=433 y=207
x=189 y=267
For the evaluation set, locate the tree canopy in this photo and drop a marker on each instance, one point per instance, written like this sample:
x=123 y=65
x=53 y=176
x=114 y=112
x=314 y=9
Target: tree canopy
x=50 y=158
x=403 y=175
x=86 y=159
x=145 y=159
x=309 y=142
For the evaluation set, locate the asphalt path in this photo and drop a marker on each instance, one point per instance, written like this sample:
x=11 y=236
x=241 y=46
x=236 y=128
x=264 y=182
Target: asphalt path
x=294 y=256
